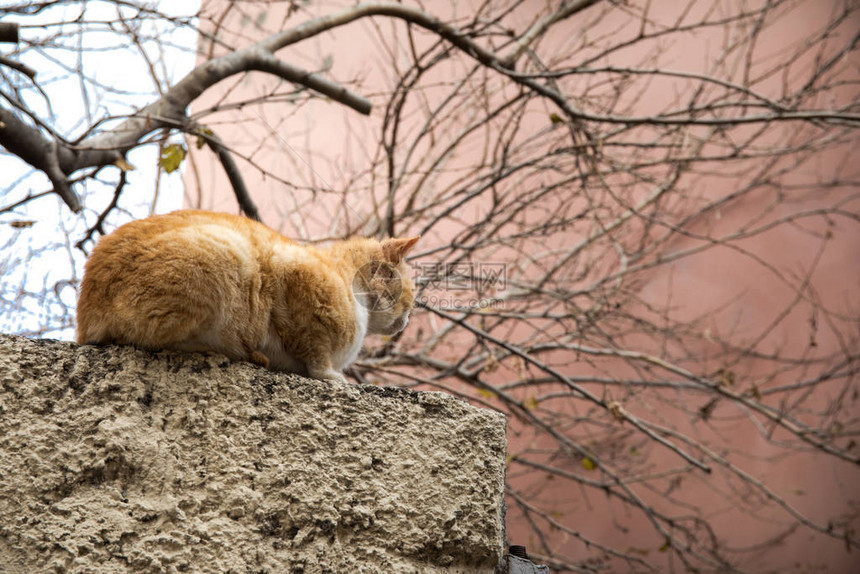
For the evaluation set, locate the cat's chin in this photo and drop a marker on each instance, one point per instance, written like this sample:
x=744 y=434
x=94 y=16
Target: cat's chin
x=396 y=326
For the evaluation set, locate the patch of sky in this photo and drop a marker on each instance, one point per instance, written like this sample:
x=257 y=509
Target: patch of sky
x=96 y=62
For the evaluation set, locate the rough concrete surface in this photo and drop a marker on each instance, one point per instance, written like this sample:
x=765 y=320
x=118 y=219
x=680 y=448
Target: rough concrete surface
x=114 y=459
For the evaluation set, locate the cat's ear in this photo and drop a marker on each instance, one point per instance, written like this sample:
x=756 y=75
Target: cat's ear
x=396 y=248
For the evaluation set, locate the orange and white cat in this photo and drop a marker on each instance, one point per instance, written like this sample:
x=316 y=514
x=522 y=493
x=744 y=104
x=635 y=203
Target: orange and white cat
x=203 y=281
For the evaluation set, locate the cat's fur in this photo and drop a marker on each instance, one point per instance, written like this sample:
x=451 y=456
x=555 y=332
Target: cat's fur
x=203 y=281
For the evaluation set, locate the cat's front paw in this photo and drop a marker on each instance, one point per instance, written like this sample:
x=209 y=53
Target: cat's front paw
x=330 y=375
x=338 y=377
x=258 y=358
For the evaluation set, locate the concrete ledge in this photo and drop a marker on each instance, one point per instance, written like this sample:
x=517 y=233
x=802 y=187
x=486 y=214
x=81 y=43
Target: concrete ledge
x=113 y=459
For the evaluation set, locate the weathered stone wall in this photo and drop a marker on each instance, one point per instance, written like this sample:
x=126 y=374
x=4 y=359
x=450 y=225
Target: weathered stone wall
x=117 y=460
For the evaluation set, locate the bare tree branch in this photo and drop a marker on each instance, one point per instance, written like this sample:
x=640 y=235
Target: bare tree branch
x=59 y=160
x=45 y=155
x=237 y=182
x=23 y=68
x=9 y=32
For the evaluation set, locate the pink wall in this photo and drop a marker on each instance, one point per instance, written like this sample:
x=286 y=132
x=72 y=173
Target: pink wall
x=324 y=142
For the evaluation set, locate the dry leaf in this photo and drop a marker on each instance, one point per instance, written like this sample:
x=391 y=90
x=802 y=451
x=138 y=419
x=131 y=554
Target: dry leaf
x=171 y=157
x=123 y=164
x=21 y=224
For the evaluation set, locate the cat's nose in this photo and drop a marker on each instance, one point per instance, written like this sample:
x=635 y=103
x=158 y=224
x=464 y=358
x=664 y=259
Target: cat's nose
x=400 y=323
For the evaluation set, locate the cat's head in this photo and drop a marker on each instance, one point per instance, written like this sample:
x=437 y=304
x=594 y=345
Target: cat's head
x=383 y=286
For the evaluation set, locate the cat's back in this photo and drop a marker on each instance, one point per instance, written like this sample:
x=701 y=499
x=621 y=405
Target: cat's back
x=181 y=237
x=184 y=225
x=184 y=255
